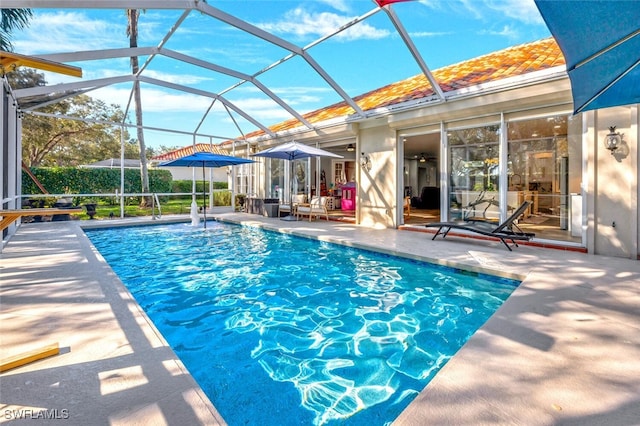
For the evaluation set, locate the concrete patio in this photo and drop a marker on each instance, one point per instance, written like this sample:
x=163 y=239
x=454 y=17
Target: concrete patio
x=563 y=349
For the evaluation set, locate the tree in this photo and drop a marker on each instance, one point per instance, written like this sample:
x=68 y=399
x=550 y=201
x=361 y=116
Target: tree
x=51 y=141
x=132 y=32
x=23 y=78
x=12 y=19
x=161 y=149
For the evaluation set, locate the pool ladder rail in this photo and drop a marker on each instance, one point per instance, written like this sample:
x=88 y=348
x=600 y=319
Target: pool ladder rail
x=155 y=201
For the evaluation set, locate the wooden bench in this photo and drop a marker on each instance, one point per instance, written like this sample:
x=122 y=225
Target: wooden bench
x=10 y=216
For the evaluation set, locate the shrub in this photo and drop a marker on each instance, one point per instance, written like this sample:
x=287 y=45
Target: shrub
x=64 y=180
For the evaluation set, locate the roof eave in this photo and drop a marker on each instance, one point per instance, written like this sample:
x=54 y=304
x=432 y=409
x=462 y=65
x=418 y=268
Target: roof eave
x=535 y=77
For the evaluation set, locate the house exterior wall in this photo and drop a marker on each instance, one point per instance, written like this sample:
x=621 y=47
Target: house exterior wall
x=381 y=143
x=377 y=186
x=609 y=183
x=614 y=183
x=187 y=173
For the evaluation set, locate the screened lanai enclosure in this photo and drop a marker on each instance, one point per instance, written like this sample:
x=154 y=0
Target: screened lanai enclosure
x=211 y=72
x=474 y=139
x=196 y=40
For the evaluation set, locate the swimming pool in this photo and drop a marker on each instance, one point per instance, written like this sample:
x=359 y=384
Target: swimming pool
x=284 y=330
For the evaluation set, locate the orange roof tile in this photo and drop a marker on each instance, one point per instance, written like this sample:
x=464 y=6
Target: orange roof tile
x=510 y=62
x=188 y=150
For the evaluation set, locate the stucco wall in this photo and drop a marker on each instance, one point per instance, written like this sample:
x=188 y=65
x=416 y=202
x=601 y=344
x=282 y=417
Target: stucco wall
x=615 y=181
x=186 y=173
x=378 y=185
x=608 y=182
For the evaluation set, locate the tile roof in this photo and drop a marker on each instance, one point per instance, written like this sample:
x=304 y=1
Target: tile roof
x=188 y=150
x=510 y=62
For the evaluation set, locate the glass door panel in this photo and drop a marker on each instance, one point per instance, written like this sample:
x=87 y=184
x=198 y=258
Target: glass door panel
x=474 y=168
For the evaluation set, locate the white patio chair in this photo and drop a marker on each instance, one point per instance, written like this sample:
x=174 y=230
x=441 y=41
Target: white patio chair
x=286 y=207
x=316 y=207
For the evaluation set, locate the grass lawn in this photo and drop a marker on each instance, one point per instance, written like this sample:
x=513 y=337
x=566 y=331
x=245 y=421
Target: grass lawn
x=174 y=206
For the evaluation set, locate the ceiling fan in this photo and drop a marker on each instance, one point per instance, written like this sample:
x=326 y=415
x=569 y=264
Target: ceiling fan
x=424 y=158
x=345 y=148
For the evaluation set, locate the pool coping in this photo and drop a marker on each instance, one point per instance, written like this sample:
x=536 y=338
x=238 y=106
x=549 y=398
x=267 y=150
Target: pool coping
x=564 y=348
x=515 y=275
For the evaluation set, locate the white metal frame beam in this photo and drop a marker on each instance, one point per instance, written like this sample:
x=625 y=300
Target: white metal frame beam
x=128 y=125
x=260 y=33
x=206 y=9
x=414 y=51
x=94 y=84
x=148 y=51
x=203 y=8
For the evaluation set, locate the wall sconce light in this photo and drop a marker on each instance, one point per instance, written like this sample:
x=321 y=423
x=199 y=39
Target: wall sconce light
x=351 y=148
x=613 y=140
x=422 y=158
x=365 y=162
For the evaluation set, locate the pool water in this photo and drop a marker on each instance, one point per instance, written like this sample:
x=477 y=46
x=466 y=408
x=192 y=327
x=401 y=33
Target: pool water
x=284 y=330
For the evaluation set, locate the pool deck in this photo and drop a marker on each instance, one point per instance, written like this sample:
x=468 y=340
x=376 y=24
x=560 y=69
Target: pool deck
x=563 y=349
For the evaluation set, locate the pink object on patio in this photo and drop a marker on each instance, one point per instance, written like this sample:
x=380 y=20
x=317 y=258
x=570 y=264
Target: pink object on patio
x=348 y=198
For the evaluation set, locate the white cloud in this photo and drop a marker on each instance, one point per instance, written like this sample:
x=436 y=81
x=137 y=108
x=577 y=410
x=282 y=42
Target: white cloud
x=154 y=100
x=520 y=10
x=432 y=4
x=303 y=24
x=426 y=34
x=184 y=79
x=507 y=19
x=151 y=27
x=300 y=90
x=524 y=11
x=506 y=31
x=67 y=32
x=293 y=96
x=466 y=7
x=340 y=5
x=262 y=110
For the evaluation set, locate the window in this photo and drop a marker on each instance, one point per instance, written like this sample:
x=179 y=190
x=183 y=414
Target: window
x=339 y=175
x=244 y=179
x=544 y=168
x=277 y=187
x=474 y=167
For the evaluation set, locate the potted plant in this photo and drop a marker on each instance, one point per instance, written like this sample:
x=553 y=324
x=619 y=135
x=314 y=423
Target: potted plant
x=240 y=200
x=91 y=209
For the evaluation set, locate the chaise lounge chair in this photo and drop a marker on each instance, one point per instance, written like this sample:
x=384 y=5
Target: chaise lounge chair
x=505 y=231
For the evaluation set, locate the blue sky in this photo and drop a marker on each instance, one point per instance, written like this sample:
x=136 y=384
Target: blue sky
x=366 y=56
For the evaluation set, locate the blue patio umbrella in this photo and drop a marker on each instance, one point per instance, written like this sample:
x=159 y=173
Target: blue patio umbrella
x=600 y=41
x=294 y=151
x=205 y=159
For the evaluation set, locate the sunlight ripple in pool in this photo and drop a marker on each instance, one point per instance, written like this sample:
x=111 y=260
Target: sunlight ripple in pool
x=284 y=330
